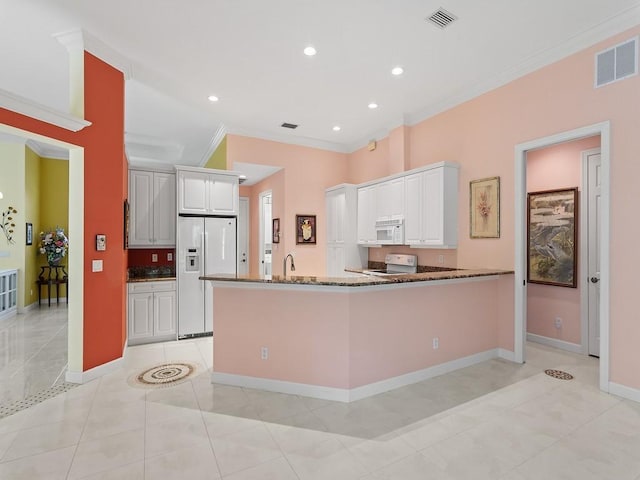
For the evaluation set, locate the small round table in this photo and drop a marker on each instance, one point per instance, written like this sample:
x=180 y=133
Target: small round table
x=53 y=275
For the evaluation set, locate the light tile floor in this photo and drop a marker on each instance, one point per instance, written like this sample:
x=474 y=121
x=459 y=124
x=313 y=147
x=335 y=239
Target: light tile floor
x=33 y=352
x=495 y=420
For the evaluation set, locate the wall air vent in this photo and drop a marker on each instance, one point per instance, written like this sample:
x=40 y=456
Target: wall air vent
x=617 y=63
x=292 y=126
x=441 y=18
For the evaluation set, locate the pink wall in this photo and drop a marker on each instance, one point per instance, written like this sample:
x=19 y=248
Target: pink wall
x=307 y=172
x=559 y=166
x=351 y=339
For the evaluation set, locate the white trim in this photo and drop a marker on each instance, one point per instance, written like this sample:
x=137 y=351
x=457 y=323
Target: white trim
x=613 y=26
x=45 y=301
x=358 y=393
x=29 y=108
x=554 y=342
x=214 y=143
x=506 y=354
x=520 y=314
x=624 y=391
x=28 y=308
x=93 y=373
x=77 y=38
x=47 y=150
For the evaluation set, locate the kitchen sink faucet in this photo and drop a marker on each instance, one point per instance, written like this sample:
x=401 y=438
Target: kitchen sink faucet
x=284 y=265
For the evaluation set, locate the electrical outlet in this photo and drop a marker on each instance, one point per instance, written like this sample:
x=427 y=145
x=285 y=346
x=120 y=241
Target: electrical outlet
x=154 y=257
x=169 y=257
x=436 y=343
x=440 y=259
x=558 y=322
x=264 y=353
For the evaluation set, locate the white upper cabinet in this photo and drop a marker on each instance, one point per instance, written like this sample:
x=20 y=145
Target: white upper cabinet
x=367 y=213
x=207 y=192
x=390 y=198
x=152 y=199
x=431 y=208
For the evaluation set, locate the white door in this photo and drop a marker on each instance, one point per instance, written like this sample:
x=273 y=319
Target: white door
x=594 y=177
x=164 y=209
x=190 y=266
x=192 y=193
x=140 y=315
x=141 y=200
x=243 y=237
x=164 y=313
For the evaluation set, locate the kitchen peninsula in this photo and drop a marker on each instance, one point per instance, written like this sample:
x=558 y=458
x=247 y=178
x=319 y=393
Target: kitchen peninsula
x=349 y=338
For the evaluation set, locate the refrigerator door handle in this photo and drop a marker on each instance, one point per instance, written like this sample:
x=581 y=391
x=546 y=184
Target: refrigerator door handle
x=203 y=241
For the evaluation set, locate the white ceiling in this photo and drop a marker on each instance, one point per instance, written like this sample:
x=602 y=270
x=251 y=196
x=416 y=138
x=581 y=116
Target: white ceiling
x=249 y=54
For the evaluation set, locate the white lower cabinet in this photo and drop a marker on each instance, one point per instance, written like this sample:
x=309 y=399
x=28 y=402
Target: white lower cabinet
x=8 y=292
x=152 y=312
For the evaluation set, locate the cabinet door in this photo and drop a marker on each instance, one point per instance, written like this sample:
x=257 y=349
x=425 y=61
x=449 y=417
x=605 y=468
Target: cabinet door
x=164 y=209
x=192 y=192
x=141 y=208
x=336 y=205
x=433 y=208
x=164 y=313
x=367 y=215
x=140 y=315
x=335 y=261
x=414 y=207
x=223 y=194
x=390 y=198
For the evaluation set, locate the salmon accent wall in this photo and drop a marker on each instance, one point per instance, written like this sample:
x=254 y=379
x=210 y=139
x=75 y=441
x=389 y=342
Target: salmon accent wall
x=308 y=172
x=105 y=172
x=551 y=168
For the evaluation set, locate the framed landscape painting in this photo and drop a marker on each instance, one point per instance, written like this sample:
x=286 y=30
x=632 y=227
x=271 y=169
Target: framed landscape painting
x=484 y=208
x=552 y=237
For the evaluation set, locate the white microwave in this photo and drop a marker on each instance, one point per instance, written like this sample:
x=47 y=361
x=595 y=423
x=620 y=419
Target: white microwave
x=390 y=231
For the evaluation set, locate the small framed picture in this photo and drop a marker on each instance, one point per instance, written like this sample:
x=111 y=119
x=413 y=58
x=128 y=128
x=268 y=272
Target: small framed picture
x=276 y=231
x=305 y=229
x=29 y=233
x=101 y=242
x=484 y=208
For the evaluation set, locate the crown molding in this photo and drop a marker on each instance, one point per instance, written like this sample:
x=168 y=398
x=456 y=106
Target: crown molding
x=29 y=108
x=290 y=140
x=144 y=148
x=613 y=26
x=47 y=151
x=213 y=145
x=79 y=39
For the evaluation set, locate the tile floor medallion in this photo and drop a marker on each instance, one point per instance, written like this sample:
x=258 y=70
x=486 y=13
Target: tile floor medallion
x=559 y=374
x=164 y=375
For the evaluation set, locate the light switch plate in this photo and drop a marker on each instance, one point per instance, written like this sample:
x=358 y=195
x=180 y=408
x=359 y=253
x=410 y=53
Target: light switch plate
x=96 y=265
x=154 y=257
x=169 y=257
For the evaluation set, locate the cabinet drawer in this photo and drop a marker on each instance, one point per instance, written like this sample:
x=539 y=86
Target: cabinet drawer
x=144 y=287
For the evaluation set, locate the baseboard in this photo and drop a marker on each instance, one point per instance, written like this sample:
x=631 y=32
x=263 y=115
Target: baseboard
x=554 y=342
x=358 y=393
x=27 y=308
x=624 y=391
x=506 y=354
x=45 y=301
x=93 y=373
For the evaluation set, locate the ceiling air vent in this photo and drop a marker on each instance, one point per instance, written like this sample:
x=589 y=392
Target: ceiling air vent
x=441 y=18
x=292 y=126
x=617 y=63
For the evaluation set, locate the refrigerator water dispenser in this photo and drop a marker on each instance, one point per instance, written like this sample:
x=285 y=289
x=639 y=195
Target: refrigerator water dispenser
x=192 y=263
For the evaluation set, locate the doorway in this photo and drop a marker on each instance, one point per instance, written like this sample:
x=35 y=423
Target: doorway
x=602 y=248
x=265 y=244
x=243 y=236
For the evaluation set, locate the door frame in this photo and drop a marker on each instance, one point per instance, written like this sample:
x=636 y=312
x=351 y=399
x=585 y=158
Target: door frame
x=584 y=252
x=261 y=225
x=520 y=200
x=244 y=201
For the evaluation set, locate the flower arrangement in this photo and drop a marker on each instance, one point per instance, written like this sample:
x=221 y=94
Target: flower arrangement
x=54 y=244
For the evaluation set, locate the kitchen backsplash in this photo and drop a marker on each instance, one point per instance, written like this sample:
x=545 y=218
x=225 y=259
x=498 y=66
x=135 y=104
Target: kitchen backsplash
x=143 y=257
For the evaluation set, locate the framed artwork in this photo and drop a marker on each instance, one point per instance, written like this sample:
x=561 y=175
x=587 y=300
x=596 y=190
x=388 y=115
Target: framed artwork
x=484 y=208
x=29 y=233
x=552 y=237
x=275 y=231
x=306 y=229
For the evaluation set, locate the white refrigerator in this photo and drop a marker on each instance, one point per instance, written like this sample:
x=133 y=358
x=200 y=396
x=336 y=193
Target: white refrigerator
x=205 y=246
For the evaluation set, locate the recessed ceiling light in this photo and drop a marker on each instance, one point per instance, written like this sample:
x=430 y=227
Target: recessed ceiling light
x=213 y=98
x=310 y=51
x=373 y=105
x=337 y=128
x=397 y=70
